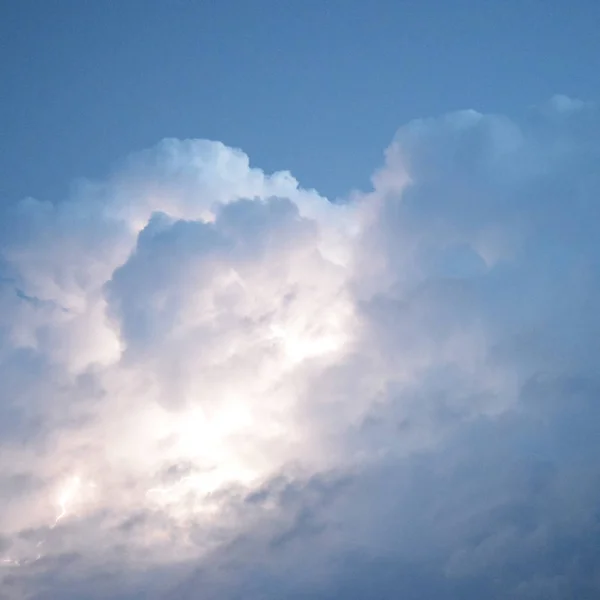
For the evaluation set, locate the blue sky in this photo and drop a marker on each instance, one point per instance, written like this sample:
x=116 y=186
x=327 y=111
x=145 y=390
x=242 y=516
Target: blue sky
x=84 y=83
x=217 y=380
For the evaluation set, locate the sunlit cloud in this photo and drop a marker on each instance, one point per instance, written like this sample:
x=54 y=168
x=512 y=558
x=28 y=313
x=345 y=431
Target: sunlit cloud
x=197 y=357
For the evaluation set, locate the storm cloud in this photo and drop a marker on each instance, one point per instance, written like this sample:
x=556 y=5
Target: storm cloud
x=219 y=384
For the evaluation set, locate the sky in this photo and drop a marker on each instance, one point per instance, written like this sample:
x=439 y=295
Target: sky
x=85 y=83
x=299 y=300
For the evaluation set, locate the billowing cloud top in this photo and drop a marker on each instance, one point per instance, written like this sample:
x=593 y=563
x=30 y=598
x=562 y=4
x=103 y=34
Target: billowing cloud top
x=218 y=384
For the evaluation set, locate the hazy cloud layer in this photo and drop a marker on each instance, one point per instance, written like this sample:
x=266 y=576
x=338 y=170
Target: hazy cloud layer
x=218 y=384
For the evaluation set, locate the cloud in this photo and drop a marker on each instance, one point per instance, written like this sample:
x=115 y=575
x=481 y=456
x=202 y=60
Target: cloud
x=216 y=380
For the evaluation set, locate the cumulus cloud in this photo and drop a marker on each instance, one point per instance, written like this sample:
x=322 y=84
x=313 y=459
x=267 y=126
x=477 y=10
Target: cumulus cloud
x=218 y=383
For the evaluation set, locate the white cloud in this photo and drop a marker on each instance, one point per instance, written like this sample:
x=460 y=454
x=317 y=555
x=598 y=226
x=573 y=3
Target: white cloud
x=205 y=365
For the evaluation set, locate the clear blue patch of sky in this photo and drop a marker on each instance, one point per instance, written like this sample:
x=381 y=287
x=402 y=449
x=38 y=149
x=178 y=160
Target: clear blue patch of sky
x=314 y=86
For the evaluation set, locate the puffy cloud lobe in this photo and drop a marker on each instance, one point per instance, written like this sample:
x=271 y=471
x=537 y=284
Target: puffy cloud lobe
x=217 y=380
